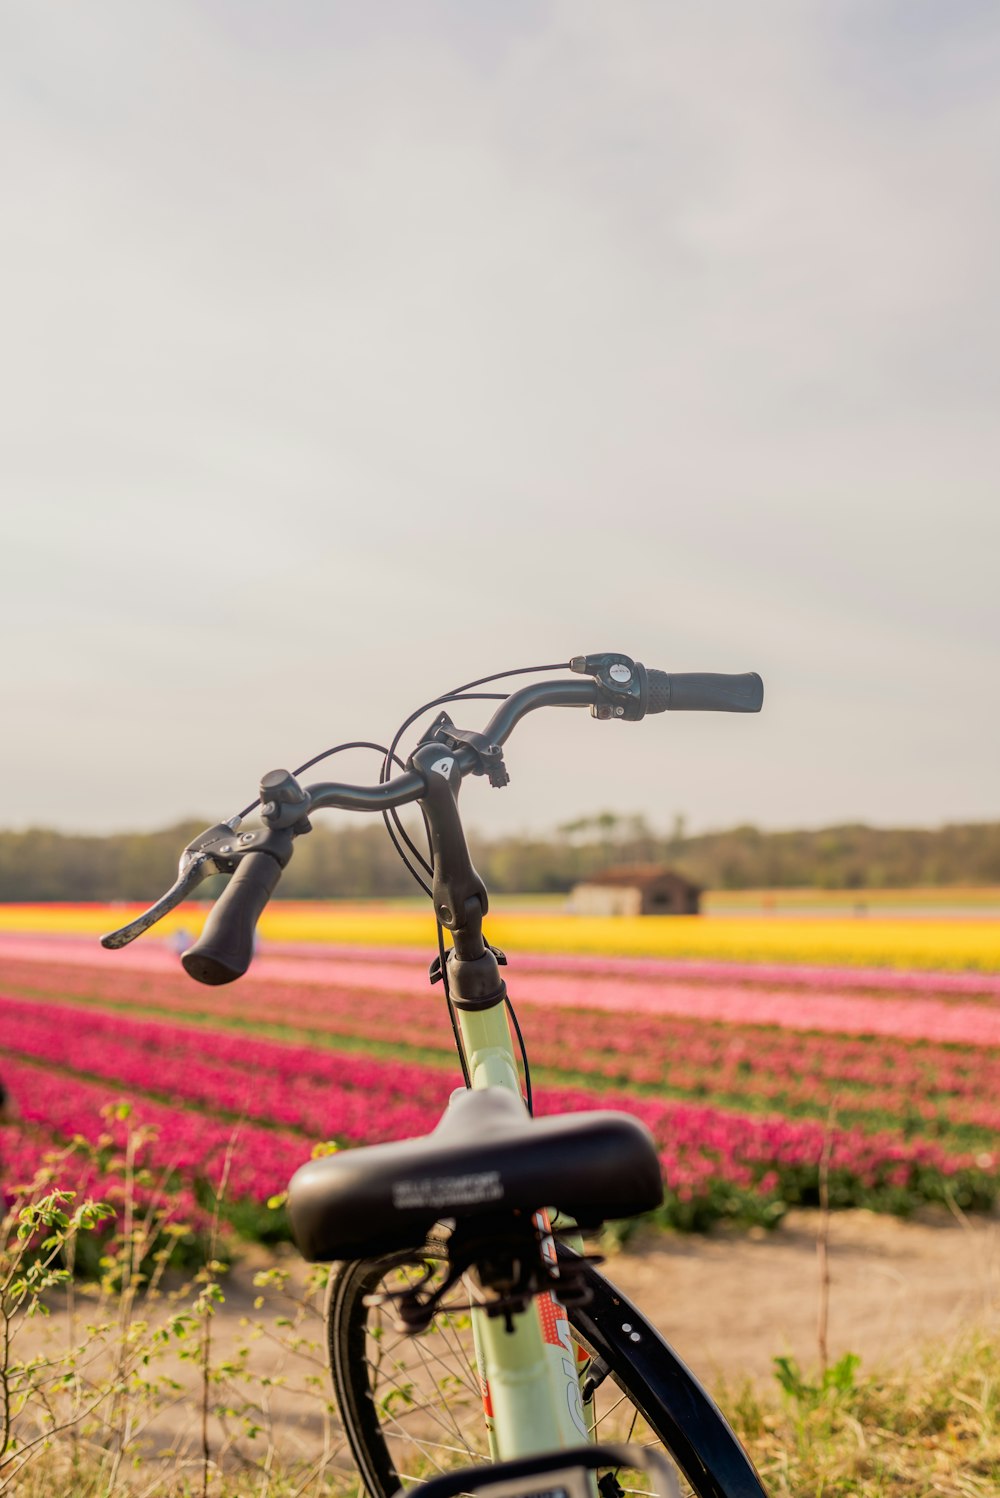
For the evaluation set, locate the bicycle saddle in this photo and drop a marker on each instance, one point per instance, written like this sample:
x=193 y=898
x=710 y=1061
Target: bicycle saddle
x=485 y=1156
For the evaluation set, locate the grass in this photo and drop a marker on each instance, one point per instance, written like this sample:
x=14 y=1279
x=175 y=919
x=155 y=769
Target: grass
x=59 y=1476
x=911 y=1432
x=929 y=1431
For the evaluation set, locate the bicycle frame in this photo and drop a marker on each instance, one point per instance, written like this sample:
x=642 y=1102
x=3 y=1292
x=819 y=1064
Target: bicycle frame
x=531 y=1388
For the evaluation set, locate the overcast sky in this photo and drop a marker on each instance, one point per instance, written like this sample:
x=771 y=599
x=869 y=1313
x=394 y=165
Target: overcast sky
x=354 y=350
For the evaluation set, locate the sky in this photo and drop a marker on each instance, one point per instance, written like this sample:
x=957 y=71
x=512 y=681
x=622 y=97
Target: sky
x=353 y=352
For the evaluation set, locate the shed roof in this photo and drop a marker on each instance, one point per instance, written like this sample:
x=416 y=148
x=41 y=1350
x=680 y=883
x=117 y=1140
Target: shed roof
x=639 y=876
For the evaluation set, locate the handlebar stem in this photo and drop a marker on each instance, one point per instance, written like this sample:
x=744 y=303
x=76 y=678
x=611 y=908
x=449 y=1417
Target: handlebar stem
x=460 y=898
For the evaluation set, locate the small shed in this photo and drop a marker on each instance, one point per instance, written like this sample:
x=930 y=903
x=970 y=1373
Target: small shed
x=636 y=889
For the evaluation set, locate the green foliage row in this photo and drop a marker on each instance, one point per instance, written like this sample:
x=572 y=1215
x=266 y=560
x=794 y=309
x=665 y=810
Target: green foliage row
x=359 y=861
x=970 y=1190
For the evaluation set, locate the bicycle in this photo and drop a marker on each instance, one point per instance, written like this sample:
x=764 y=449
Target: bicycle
x=469 y=1334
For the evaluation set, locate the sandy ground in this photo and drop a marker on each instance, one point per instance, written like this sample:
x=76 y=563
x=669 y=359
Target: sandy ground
x=730 y=1303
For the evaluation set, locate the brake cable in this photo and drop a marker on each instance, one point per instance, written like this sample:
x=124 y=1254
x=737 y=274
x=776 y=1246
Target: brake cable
x=390 y=816
x=524 y=1056
x=452 y=1011
x=465 y=692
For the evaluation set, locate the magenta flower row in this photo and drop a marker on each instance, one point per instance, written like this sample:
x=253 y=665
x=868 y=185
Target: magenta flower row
x=324 y=1094
x=650 y=1050
x=943 y=1084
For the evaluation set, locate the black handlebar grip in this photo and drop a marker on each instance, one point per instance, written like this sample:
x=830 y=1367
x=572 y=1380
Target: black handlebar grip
x=704 y=691
x=225 y=947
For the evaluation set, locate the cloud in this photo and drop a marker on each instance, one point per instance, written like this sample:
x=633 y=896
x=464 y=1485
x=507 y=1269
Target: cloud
x=471 y=335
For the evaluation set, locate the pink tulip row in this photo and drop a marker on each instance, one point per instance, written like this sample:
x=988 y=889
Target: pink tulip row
x=803 y=976
x=907 y=1015
x=699 y=1147
x=682 y=1055
x=287 y=1095
x=793 y=1071
x=317 y=962
x=421 y=1020
x=26 y=1149
x=912 y=1015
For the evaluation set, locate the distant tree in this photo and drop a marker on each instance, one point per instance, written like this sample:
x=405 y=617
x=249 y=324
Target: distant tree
x=40 y=864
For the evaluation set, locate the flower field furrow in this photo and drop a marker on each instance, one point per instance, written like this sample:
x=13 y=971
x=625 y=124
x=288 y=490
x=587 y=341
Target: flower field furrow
x=233 y=1074
x=922 y=1088
x=738 y=1082
x=647 y=1050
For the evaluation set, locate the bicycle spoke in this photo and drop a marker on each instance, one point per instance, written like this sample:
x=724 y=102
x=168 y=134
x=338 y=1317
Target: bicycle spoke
x=440 y=1425
x=606 y=1414
x=425 y=1408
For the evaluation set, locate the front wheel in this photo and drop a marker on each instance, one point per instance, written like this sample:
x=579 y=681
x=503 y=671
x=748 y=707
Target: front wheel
x=412 y=1405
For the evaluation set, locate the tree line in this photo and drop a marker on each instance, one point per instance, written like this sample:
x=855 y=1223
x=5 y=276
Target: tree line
x=360 y=862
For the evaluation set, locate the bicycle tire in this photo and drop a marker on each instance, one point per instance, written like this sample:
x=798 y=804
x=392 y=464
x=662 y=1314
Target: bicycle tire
x=401 y=1428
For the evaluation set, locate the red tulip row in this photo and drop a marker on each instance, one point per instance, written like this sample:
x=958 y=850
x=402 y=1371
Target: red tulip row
x=319 y=1093
x=190 y=1147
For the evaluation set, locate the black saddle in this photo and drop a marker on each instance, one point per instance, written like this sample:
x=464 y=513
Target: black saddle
x=486 y=1157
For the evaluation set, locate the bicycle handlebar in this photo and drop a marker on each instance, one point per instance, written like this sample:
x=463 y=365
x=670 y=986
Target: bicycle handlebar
x=224 y=949
x=704 y=691
x=619 y=688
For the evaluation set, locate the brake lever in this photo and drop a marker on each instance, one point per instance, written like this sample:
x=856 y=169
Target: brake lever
x=211 y=852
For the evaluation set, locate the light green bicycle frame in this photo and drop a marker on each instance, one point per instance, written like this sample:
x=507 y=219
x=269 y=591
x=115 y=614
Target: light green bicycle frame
x=531 y=1386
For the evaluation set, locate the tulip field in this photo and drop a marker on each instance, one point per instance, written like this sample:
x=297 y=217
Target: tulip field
x=754 y=1072
x=939 y=944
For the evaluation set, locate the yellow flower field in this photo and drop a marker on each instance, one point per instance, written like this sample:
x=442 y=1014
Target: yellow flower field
x=977 y=899
x=917 y=942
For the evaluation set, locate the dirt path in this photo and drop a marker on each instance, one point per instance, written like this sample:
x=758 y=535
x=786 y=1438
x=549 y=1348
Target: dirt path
x=728 y=1304
x=731 y=1302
